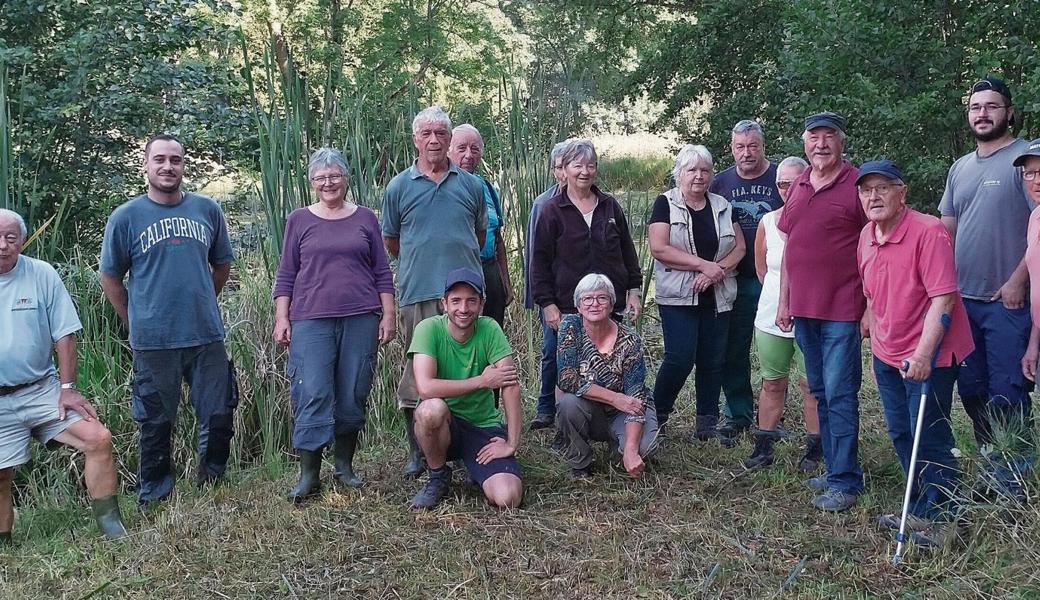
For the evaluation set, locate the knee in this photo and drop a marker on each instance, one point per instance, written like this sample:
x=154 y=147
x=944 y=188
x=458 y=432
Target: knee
x=568 y=406
x=506 y=494
x=97 y=440
x=432 y=413
x=775 y=386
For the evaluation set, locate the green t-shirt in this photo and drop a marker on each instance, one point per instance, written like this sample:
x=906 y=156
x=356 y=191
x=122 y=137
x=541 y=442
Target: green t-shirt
x=462 y=361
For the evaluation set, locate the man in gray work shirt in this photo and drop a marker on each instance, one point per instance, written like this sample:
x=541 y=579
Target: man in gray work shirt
x=175 y=247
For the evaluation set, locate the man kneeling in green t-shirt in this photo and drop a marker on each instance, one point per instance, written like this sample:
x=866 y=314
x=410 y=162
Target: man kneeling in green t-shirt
x=459 y=358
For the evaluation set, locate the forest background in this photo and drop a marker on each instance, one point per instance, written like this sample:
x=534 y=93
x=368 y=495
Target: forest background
x=253 y=86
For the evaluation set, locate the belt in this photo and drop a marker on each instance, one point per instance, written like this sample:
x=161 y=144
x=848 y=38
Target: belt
x=7 y=390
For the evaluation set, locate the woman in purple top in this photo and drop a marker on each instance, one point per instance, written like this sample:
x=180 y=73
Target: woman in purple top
x=334 y=299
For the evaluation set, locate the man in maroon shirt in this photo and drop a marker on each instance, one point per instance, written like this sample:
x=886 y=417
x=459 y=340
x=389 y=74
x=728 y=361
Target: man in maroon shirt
x=821 y=296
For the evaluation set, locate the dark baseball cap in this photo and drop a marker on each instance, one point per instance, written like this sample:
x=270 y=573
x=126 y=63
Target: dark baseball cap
x=1032 y=150
x=465 y=275
x=991 y=83
x=825 y=119
x=883 y=167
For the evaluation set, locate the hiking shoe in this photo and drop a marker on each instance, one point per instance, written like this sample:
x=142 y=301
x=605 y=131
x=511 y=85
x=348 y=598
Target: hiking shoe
x=936 y=535
x=913 y=522
x=540 y=421
x=813 y=457
x=818 y=483
x=834 y=501
x=729 y=432
x=580 y=474
x=707 y=428
x=762 y=455
x=437 y=487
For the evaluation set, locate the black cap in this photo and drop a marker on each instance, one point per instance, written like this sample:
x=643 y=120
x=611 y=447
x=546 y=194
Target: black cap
x=1032 y=150
x=883 y=167
x=465 y=275
x=825 y=119
x=991 y=83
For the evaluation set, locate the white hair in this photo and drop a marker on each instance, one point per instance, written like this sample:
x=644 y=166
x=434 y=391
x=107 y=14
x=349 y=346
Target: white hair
x=689 y=155
x=594 y=282
x=433 y=114
x=17 y=218
x=558 y=151
x=792 y=161
x=327 y=156
x=841 y=134
x=467 y=128
x=579 y=149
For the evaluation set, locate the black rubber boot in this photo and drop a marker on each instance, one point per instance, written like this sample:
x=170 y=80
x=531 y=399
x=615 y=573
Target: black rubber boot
x=5 y=539
x=110 y=522
x=813 y=457
x=343 y=451
x=416 y=461
x=707 y=427
x=763 y=453
x=310 y=476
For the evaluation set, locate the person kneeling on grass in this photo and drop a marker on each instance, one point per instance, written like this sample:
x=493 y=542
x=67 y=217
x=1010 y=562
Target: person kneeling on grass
x=37 y=313
x=459 y=358
x=601 y=373
x=906 y=262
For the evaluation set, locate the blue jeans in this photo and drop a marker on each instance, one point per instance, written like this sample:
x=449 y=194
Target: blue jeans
x=692 y=335
x=736 y=368
x=990 y=379
x=936 y=472
x=547 y=395
x=834 y=369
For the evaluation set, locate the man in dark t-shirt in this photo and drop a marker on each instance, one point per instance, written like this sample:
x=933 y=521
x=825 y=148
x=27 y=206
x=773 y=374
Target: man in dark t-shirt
x=750 y=186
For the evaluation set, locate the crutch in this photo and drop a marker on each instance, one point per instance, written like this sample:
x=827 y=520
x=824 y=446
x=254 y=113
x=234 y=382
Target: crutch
x=944 y=319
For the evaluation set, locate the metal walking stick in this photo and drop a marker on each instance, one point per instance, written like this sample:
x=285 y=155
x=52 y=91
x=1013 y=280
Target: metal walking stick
x=944 y=319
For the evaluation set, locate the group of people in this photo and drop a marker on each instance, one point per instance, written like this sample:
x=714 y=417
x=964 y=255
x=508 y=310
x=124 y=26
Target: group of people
x=803 y=259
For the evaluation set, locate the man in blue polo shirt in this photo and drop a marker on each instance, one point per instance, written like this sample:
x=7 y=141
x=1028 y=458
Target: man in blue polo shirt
x=434 y=220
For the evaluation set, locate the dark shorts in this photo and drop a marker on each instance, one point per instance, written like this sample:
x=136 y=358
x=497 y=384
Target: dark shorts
x=467 y=439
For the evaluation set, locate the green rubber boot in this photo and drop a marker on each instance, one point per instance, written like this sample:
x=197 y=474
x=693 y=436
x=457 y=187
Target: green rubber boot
x=343 y=451
x=110 y=522
x=310 y=476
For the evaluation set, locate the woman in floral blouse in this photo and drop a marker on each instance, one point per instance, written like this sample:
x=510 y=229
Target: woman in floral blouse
x=601 y=374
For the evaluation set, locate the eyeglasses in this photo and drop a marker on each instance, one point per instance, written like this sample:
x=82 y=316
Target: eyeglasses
x=590 y=300
x=882 y=189
x=327 y=179
x=1030 y=175
x=988 y=107
x=784 y=184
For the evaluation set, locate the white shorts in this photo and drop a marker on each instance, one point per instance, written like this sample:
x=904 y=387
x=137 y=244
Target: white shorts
x=30 y=412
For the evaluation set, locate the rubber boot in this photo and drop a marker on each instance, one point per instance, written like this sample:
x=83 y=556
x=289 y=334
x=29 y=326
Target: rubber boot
x=110 y=522
x=707 y=427
x=813 y=456
x=5 y=539
x=310 y=476
x=416 y=461
x=763 y=454
x=344 y=453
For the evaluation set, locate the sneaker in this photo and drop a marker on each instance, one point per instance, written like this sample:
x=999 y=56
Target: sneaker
x=437 y=487
x=818 y=483
x=834 y=501
x=936 y=535
x=541 y=421
x=913 y=522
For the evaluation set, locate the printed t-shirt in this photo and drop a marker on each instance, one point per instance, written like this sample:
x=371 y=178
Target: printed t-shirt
x=751 y=200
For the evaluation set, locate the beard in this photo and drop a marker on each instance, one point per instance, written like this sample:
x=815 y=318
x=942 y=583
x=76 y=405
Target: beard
x=1000 y=128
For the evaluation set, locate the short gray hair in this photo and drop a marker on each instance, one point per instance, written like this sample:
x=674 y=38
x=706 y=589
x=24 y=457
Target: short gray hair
x=792 y=161
x=433 y=114
x=594 y=282
x=324 y=157
x=581 y=148
x=841 y=134
x=466 y=127
x=17 y=218
x=689 y=155
x=746 y=126
x=557 y=152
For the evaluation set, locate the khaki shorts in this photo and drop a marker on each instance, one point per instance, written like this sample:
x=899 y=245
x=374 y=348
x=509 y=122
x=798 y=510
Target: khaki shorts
x=30 y=412
x=411 y=315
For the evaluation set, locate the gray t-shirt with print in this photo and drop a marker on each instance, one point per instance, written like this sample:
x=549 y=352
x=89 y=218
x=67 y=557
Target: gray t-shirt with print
x=987 y=196
x=168 y=250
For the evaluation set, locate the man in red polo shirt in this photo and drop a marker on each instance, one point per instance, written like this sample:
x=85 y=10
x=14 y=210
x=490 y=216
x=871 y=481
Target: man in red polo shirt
x=909 y=279
x=821 y=292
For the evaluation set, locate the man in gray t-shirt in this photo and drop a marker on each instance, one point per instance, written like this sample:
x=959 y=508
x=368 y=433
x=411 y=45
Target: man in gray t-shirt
x=175 y=247
x=986 y=210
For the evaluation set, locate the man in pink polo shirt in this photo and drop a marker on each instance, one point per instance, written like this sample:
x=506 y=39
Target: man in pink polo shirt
x=820 y=291
x=909 y=280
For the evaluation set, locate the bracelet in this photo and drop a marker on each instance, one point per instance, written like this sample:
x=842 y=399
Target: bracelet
x=69 y=386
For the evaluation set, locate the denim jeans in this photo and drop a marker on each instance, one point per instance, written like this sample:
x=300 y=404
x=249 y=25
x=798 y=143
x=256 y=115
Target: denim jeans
x=547 y=395
x=834 y=369
x=692 y=336
x=936 y=471
x=736 y=368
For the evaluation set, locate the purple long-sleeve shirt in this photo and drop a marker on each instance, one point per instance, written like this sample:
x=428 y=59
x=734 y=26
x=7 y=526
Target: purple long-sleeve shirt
x=332 y=267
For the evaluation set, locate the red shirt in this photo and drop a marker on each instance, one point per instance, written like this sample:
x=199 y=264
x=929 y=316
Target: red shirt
x=899 y=277
x=822 y=228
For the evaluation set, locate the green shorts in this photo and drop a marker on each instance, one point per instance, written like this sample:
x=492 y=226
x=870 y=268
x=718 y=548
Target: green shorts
x=775 y=354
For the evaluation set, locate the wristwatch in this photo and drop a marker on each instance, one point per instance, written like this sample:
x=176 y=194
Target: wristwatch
x=69 y=386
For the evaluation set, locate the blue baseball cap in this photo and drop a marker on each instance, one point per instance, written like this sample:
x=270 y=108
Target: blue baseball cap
x=825 y=119
x=1032 y=150
x=465 y=275
x=882 y=167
